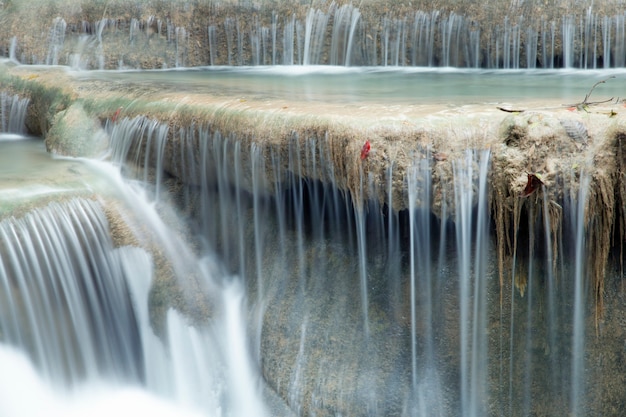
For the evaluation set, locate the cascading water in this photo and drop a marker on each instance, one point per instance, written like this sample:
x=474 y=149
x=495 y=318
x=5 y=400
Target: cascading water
x=274 y=272
x=12 y=113
x=71 y=326
x=273 y=230
x=580 y=297
x=337 y=34
x=82 y=312
x=76 y=321
x=472 y=247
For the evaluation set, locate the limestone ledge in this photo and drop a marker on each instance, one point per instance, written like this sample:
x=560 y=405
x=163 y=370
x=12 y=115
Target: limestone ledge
x=550 y=139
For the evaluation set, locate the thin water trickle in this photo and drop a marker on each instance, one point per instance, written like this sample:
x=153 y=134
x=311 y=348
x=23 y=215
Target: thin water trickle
x=580 y=297
x=419 y=193
x=360 y=220
x=412 y=200
x=551 y=288
x=529 y=294
x=472 y=247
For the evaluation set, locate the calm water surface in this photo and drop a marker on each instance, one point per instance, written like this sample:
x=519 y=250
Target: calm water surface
x=376 y=85
x=28 y=171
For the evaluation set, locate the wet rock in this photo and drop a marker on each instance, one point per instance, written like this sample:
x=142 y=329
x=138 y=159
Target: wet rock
x=514 y=130
x=76 y=133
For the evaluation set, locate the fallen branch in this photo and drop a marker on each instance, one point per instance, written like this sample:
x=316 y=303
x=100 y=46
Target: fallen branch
x=592 y=88
x=583 y=105
x=510 y=110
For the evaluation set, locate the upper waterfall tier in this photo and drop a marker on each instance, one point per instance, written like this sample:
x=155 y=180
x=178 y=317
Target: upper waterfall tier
x=153 y=34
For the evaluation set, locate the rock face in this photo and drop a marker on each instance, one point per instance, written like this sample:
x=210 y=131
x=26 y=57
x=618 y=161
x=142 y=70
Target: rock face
x=155 y=34
x=269 y=177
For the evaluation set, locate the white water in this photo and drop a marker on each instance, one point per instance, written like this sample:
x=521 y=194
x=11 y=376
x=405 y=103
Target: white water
x=75 y=322
x=205 y=372
x=24 y=393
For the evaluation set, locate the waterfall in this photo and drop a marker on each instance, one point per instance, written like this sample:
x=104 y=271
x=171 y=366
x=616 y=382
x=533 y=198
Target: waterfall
x=569 y=36
x=12 y=113
x=78 y=315
x=580 y=298
x=149 y=139
x=210 y=264
x=182 y=39
x=421 y=273
x=229 y=27
x=274 y=33
x=256 y=44
x=472 y=272
x=588 y=54
x=450 y=28
x=341 y=34
x=424 y=25
x=288 y=41
x=316 y=22
x=212 y=39
x=13 y=50
x=342 y=39
x=80 y=306
x=509 y=40
x=74 y=327
x=278 y=219
x=606 y=41
x=531 y=47
x=56 y=39
x=619 y=48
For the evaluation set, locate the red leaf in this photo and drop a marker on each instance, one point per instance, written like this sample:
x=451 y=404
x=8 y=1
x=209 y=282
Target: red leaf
x=534 y=182
x=365 y=150
x=116 y=115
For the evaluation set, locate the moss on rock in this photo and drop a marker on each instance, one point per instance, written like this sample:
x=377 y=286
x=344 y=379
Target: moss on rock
x=76 y=133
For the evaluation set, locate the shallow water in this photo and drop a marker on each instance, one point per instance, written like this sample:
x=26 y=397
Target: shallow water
x=27 y=170
x=380 y=85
